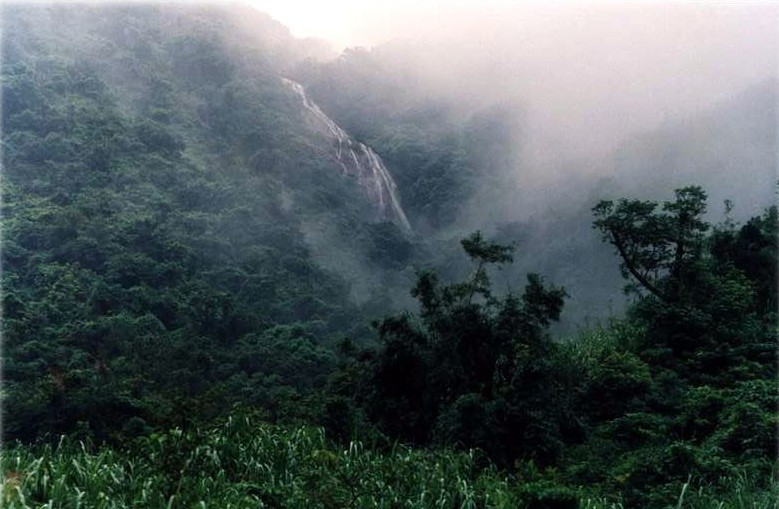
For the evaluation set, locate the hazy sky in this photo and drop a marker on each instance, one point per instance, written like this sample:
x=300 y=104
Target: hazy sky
x=587 y=72
x=351 y=23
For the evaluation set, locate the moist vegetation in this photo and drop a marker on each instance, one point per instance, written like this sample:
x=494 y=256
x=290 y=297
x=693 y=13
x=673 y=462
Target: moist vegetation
x=197 y=314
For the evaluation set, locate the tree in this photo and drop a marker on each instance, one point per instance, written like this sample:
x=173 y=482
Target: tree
x=658 y=249
x=473 y=370
x=704 y=294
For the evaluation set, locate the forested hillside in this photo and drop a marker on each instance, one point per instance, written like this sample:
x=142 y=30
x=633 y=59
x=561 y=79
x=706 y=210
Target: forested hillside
x=154 y=201
x=205 y=296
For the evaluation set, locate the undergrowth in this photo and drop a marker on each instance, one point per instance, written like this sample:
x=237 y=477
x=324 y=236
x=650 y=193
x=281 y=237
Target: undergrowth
x=243 y=463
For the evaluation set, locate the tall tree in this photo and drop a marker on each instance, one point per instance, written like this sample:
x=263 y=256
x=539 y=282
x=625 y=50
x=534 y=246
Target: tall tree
x=704 y=291
x=475 y=369
x=658 y=248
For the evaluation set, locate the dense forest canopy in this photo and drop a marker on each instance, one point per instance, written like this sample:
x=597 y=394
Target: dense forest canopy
x=194 y=278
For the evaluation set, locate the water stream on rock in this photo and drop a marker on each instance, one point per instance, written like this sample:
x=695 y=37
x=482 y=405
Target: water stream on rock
x=360 y=161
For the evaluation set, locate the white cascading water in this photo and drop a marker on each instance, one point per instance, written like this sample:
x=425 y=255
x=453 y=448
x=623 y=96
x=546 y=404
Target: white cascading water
x=360 y=161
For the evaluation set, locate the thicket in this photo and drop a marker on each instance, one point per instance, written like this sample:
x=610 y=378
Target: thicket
x=244 y=463
x=157 y=275
x=152 y=268
x=683 y=388
x=161 y=196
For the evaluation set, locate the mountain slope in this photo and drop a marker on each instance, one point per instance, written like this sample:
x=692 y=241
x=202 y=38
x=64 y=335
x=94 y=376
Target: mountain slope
x=161 y=197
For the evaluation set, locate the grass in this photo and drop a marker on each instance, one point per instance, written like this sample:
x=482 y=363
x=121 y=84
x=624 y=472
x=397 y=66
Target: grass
x=243 y=464
x=247 y=464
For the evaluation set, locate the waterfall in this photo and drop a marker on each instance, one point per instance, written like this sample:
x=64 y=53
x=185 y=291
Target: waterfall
x=358 y=160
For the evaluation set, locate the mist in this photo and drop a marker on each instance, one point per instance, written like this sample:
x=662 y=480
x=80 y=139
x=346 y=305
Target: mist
x=589 y=75
x=362 y=248
x=563 y=105
x=597 y=101
x=583 y=80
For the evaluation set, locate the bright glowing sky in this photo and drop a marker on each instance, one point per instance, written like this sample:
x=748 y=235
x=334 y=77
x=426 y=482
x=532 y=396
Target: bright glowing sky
x=591 y=70
x=367 y=23
x=343 y=23
x=325 y=20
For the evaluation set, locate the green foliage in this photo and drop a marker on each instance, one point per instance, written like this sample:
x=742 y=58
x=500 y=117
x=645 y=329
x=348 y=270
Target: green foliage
x=149 y=256
x=710 y=312
x=658 y=249
x=752 y=250
x=158 y=223
x=246 y=463
x=476 y=370
x=700 y=363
